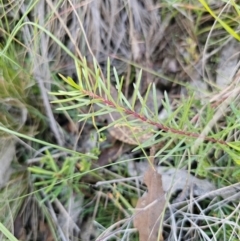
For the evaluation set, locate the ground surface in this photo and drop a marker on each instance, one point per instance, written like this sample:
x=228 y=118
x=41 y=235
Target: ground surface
x=88 y=155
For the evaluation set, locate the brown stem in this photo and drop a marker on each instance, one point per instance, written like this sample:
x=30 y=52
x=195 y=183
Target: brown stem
x=153 y=123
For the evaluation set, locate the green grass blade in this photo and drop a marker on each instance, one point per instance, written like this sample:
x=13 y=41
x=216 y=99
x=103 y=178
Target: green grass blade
x=45 y=143
x=224 y=25
x=7 y=233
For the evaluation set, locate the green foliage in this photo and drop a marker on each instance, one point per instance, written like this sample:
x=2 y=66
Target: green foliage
x=224 y=23
x=177 y=125
x=56 y=178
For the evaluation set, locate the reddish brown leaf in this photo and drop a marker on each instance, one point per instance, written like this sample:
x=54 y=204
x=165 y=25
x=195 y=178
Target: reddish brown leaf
x=150 y=208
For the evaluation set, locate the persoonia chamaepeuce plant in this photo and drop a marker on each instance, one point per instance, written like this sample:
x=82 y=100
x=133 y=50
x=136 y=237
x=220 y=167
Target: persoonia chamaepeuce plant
x=144 y=127
x=174 y=137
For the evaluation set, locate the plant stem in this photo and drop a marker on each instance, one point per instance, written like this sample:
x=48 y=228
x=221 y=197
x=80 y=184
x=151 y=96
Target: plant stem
x=153 y=123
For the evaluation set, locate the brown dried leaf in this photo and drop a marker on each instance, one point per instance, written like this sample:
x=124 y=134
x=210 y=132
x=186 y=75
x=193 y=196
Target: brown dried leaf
x=129 y=134
x=150 y=208
x=112 y=153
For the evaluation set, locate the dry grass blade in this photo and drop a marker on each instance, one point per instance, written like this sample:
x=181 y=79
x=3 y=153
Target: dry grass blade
x=150 y=206
x=7 y=152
